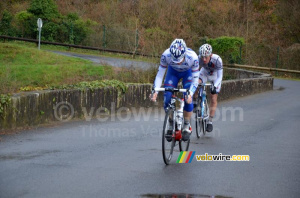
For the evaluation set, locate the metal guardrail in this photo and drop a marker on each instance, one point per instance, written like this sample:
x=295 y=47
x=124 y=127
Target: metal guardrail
x=74 y=46
x=262 y=68
x=133 y=53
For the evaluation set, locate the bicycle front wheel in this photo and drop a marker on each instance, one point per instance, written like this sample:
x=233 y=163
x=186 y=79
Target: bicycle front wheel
x=168 y=139
x=197 y=119
x=206 y=114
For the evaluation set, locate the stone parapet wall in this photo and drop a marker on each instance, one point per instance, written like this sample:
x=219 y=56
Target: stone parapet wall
x=31 y=109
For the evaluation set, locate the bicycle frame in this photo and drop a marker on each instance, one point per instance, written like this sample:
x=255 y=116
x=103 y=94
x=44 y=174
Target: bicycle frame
x=202 y=110
x=172 y=105
x=202 y=94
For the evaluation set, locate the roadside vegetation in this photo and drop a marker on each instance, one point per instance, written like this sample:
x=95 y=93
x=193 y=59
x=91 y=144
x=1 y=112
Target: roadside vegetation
x=28 y=67
x=25 y=68
x=269 y=28
x=262 y=33
x=49 y=47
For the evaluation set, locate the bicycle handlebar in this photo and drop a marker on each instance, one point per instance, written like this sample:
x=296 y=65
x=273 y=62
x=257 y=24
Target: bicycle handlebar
x=205 y=84
x=171 y=89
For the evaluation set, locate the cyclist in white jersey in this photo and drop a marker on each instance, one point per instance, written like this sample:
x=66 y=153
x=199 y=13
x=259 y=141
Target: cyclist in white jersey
x=212 y=71
x=181 y=62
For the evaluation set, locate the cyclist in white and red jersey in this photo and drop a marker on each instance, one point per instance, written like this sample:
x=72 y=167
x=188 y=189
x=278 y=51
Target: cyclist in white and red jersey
x=182 y=63
x=212 y=71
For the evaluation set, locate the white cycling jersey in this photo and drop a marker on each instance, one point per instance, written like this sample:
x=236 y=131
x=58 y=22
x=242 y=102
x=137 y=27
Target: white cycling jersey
x=190 y=62
x=213 y=71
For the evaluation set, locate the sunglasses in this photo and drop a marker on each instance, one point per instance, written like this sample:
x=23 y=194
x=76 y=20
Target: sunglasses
x=204 y=57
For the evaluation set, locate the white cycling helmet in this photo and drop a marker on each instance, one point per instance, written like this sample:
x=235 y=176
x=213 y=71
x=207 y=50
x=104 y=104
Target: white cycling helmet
x=205 y=50
x=177 y=50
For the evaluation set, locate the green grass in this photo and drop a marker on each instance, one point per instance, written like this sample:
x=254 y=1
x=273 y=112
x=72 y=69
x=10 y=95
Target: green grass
x=22 y=66
x=89 y=52
x=25 y=68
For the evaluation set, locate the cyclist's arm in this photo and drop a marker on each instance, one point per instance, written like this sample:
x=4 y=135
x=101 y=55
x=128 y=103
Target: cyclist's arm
x=219 y=72
x=161 y=70
x=219 y=77
x=159 y=76
x=195 y=75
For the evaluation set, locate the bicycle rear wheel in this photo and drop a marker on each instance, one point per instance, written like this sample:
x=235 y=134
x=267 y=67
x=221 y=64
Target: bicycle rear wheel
x=168 y=146
x=203 y=128
x=184 y=145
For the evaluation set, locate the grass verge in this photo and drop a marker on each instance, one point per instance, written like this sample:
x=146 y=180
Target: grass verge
x=22 y=66
x=87 y=51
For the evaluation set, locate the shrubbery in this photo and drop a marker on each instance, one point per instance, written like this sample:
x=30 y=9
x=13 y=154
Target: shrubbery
x=5 y=24
x=228 y=48
x=56 y=27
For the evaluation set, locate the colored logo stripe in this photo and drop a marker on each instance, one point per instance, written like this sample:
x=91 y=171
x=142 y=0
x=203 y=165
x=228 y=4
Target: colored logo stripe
x=179 y=157
x=192 y=156
x=182 y=157
x=185 y=157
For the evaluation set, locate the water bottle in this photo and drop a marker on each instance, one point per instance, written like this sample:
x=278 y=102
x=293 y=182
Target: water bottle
x=180 y=114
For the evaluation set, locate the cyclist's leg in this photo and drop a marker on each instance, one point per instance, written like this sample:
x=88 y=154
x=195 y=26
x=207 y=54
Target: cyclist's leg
x=188 y=108
x=212 y=110
x=213 y=103
x=214 y=97
x=171 y=80
x=186 y=82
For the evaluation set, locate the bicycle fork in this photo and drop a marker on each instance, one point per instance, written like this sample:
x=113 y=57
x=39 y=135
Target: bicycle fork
x=177 y=118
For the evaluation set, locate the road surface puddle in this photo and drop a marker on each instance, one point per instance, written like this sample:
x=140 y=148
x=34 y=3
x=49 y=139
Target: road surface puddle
x=181 y=195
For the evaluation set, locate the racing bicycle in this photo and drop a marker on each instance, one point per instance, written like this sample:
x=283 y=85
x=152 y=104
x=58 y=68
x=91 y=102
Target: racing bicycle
x=202 y=109
x=170 y=139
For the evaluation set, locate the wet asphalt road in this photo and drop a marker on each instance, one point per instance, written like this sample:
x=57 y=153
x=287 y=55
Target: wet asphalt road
x=121 y=157
x=116 y=62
